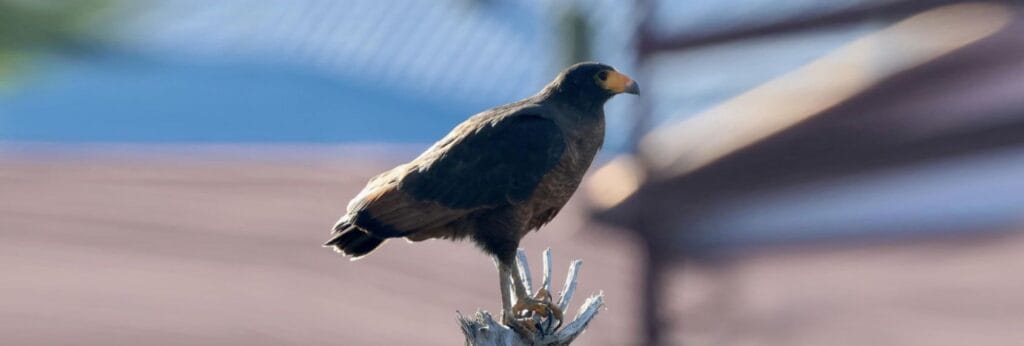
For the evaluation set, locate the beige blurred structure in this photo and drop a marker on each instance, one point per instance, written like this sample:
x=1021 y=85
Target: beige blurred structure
x=912 y=133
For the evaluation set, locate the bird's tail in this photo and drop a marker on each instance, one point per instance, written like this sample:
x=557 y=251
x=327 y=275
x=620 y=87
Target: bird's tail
x=351 y=241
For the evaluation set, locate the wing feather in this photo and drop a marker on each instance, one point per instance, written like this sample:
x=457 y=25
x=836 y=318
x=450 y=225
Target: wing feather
x=485 y=162
x=496 y=163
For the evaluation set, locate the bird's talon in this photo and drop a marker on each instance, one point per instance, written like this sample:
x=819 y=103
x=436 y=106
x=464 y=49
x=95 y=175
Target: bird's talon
x=525 y=327
x=530 y=307
x=543 y=295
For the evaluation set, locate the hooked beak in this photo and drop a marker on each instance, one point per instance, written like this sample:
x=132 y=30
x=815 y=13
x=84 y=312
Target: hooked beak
x=632 y=88
x=620 y=83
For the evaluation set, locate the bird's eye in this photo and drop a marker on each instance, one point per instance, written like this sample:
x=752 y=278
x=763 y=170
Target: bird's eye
x=602 y=76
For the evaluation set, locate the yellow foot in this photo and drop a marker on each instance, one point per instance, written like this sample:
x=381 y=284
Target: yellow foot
x=540 y=305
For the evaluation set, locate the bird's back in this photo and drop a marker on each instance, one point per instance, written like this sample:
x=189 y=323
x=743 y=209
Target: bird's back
x=492 y=160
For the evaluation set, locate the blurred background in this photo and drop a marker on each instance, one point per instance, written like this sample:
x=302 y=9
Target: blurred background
x=795 y=173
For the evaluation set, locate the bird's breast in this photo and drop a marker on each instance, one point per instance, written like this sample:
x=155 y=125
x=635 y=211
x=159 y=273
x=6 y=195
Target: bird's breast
x=559 y=184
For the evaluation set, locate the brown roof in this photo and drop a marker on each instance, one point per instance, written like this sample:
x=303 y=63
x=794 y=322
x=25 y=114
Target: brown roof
x=227 y=251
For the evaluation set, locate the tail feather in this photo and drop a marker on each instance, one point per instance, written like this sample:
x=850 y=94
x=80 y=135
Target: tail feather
x=353 y=242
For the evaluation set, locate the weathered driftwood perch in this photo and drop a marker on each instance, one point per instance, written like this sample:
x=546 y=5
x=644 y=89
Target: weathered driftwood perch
x=483 y=330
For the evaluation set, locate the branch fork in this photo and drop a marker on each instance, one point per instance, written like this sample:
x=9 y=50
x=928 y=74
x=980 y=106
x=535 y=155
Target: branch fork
x=483 y=330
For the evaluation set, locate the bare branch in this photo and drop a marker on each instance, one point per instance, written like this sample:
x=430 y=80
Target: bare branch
x=546 y=284
x=570 y=285
x=524 y=270
x=483 y=330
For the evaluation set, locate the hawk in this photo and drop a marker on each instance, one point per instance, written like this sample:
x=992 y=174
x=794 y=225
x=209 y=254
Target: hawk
x=494 y=178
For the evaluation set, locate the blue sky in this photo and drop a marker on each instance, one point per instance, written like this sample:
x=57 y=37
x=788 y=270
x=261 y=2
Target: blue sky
x=365 y=71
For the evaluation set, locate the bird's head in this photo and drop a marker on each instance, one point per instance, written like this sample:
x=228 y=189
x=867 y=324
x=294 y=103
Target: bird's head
x=594 y=82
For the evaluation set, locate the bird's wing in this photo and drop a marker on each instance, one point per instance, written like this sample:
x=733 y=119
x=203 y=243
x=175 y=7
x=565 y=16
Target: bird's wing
x=483 y=163
x=497 y=162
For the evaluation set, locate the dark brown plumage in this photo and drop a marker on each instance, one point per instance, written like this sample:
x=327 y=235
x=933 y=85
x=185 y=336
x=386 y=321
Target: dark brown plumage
x=495 y=177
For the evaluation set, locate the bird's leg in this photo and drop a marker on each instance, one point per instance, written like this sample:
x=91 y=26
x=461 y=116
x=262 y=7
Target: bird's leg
x=540 y=303
x=506 y=296
x=523 y=326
